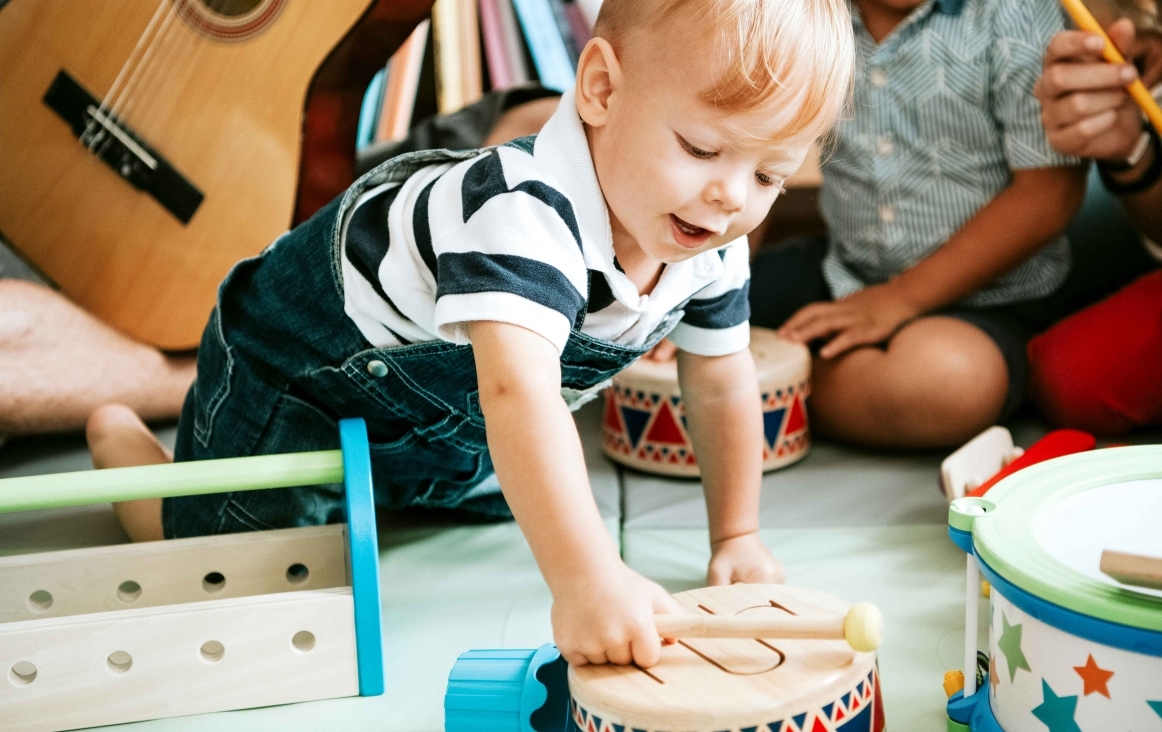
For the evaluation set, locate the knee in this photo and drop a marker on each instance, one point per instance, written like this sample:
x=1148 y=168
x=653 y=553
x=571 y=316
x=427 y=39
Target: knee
x=949 y=390
x=107 y=419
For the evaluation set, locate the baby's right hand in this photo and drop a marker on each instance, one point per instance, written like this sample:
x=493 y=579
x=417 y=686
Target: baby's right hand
x=609 y=618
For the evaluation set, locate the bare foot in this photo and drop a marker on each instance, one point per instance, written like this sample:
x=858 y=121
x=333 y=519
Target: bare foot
x=119 y=439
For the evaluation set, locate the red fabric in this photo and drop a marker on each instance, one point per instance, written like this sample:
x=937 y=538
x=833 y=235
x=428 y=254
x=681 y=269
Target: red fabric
x=1100 y=370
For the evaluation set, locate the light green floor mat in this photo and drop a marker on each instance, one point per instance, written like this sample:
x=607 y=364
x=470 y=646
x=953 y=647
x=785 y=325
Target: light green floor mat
x=913 y=573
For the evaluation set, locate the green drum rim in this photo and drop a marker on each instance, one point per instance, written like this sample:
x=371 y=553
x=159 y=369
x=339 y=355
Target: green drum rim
x=1004 y=537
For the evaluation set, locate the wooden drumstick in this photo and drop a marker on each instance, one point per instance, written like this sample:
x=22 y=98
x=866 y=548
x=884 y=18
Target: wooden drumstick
x=1137 y=90
x=1133 y=569
x=862 y=627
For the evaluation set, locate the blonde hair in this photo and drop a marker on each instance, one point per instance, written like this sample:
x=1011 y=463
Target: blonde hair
x=767 y=50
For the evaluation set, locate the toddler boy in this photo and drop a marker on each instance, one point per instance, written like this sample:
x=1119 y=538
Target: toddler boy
x=945 y=205
x=461 y=302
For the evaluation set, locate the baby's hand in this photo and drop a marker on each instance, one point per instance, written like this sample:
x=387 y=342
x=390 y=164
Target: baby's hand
x=664 y=351
x=610 y=619
x=744 y=559
x=867 y=318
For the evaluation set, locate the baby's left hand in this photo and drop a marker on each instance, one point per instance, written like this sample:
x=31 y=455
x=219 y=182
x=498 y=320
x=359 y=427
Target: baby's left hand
x=744 y=559
x=866 y=318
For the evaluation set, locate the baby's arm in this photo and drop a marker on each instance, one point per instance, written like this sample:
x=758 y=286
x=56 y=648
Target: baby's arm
x=1009 y=229
x=602 y=610
x=724 y=415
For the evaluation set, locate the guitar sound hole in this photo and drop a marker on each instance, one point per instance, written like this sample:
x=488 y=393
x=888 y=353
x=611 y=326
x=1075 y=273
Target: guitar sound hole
x=231 y=8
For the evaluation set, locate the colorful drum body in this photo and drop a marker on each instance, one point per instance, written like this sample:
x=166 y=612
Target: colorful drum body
x=644 y=426
x=733 y=685
x=1069 y=648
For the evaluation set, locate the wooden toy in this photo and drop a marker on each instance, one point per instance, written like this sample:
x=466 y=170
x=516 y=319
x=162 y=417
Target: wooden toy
x=1138 y=91
x=700 y=685
x=1069 y=647
x=991 y=456
x=1133 y=569
x=645 y=420
x=124 y=633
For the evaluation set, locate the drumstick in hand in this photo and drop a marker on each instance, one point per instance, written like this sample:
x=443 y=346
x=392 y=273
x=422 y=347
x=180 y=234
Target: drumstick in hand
x=862 y=627
x=1137 y=90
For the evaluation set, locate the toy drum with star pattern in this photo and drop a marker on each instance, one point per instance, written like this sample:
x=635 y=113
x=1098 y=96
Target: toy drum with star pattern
x=1070 y=648
x=737 y=685
x=644 y=424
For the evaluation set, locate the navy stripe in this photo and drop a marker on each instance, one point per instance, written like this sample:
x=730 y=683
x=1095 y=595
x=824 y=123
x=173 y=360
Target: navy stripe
x=485 y=180
x=725 y=311
x=600 y=293
x=422 y=229
x=468 y=273
x=367 y=242
x=524 y=144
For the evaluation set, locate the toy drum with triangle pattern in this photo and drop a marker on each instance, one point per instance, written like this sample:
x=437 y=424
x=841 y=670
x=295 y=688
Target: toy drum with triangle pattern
x=1070 y=648
x=113 y=634
x=701 y=684
x=644 y=423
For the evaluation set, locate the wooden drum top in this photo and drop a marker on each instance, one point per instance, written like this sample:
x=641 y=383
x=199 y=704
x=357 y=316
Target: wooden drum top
x=716 y=684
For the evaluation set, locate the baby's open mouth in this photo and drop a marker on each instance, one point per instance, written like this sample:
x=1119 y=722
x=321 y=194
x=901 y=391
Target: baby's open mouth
x=688 y=235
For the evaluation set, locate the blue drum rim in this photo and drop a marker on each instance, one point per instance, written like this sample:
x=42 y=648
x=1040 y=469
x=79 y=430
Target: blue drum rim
x=1105 y=632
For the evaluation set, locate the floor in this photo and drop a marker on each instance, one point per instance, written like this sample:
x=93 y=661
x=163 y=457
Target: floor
x=861 y=525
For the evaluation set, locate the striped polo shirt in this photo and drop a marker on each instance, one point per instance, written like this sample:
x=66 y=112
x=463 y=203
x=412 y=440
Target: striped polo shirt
x=520 y=234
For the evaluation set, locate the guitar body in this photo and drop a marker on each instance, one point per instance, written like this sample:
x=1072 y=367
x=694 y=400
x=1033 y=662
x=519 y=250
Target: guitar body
x=220 y=100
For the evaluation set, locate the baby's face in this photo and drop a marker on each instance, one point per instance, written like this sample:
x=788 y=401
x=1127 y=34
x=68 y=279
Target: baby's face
x=679 y=176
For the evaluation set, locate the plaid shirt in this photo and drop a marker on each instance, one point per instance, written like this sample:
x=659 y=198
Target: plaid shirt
x=943 y=112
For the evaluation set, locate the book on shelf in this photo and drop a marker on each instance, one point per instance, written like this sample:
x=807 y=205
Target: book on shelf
x=546 y=44
x=504 y=46
x=449 y=66
x=579 y=25
x=401 y=84
x=371 y=108
x=472 y=65
x=561 y=16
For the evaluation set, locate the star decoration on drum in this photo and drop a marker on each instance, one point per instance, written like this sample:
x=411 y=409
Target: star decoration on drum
x=1096 y=679
x=1010 y=645
x=994 y=677
x=1057 y=711
x=1156 y=706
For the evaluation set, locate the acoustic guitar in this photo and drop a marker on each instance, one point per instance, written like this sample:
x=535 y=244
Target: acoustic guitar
x=147 y=145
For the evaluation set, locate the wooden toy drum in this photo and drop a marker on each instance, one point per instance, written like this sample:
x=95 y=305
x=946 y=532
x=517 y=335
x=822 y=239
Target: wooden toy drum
x=645 y=420
x=732 y=685
x=1069 y=647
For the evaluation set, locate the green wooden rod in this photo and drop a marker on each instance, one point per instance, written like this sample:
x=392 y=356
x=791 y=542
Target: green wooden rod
x=174 y=479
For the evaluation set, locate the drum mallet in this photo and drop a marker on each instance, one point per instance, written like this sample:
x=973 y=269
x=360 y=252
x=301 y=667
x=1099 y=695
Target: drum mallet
x=862 y=627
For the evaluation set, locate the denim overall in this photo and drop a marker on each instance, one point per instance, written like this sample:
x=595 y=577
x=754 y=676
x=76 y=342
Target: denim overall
x=280 y=362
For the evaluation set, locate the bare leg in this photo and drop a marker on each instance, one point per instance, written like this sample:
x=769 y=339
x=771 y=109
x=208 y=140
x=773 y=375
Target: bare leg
x=939 y=382
x=524 y=119
x=58 y=364
x=119 y=439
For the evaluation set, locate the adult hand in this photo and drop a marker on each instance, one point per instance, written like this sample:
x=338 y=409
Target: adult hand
x=866 y=318
x=1085 y=108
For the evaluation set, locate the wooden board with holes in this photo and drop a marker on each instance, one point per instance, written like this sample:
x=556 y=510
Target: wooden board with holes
x=121 y=577
x=218 y=96
x=130 y=665
x=728 y=684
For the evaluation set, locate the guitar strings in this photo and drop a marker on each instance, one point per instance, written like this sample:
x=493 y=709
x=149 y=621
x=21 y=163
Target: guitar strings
x=145 y=66
x=142 y=47
x=173 y=57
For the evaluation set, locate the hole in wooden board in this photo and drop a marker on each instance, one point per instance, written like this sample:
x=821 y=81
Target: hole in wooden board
x=22 y=673
x=304 y=640
x=213 y=582
x=212 y=651
x=128 y=591
x=119 y=661
x=297 y=573
x=40 y=601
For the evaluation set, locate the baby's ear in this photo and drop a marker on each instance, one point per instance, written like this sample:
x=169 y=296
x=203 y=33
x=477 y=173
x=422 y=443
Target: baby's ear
x=598 y=76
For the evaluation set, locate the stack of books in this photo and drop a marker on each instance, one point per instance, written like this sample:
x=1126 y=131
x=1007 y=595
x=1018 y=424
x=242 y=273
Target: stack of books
x=473 y=46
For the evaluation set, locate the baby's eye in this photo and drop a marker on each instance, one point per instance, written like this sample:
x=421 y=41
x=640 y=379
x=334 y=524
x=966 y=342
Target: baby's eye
x=767 y=180
x=696 y=152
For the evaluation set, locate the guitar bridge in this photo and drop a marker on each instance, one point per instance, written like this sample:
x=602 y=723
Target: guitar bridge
x=122 y=149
